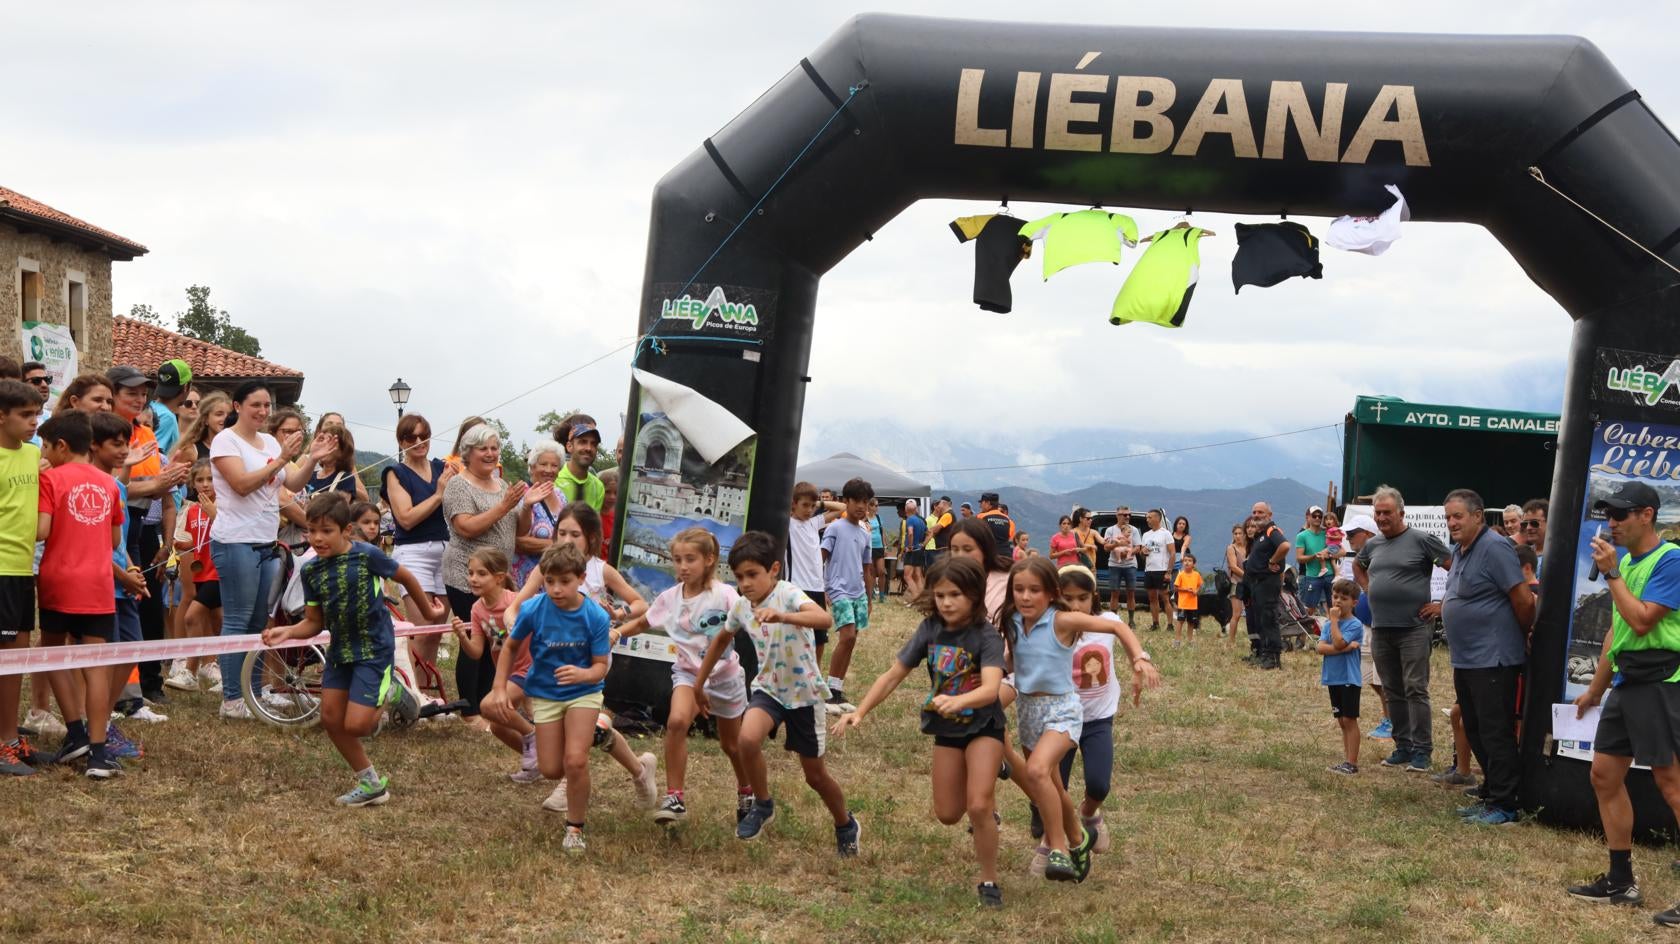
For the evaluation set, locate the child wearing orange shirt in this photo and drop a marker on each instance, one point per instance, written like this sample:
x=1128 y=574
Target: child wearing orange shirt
x=1188 y=583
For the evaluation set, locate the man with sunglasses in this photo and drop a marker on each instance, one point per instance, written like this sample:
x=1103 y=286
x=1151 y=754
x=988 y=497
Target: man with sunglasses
x=39 y=378
x=1534 y=526
x=1640 y=670
x=1312 y=556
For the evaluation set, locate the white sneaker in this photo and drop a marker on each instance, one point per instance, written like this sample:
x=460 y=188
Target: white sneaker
x=1103 y=843
x=148 y=715
x=526 y=775
x=281 y=702
x=45 y=723
x=556 y=802
x=181 y=679
x=647 y=782
x=235 y=710
x=210 y=675
x=1040 y=859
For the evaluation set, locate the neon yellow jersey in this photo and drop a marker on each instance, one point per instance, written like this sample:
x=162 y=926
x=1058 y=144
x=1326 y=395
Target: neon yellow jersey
x=1160 y=286
x=1072 y=239
x=1664 y=635
x=20 y=470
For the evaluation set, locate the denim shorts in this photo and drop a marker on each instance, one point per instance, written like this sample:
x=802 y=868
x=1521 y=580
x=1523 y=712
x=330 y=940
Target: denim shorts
x=1315 y=591
x=1122 y=575
x=1036 y=714
x=849 y=612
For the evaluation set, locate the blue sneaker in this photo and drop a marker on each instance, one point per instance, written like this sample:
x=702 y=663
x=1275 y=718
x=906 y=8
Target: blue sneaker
x=367 y=793
x=1494 y=816
x=1399 y=758
x=1472 y=811
x=120 y=747
x=1419 y=764
x=757 y=816
x=846 y=837
x=1383 y=731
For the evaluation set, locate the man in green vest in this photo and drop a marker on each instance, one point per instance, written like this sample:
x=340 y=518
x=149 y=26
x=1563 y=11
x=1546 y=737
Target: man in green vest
x=1640 y=667
x=576 y=483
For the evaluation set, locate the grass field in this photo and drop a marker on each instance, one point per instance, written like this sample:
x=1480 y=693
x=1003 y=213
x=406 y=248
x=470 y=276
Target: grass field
x=1226 y=828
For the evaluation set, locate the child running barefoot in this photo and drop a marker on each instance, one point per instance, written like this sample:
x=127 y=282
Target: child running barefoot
x=692 y=613
x=342 y=592
x=567 y=637
x=1339 y=642
x=580 y=525
x=965 y=660
x=789 y=689
x=489 y=580
x=1041 y=633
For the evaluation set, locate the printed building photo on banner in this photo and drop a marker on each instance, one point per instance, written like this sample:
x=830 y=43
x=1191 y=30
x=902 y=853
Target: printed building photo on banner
x=1621 y=452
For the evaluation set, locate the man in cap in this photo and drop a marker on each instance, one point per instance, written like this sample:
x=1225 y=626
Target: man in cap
x=174 y=380
x=576 y=481
x=1640 y=670
x=1312 y=557
x=1003 y=528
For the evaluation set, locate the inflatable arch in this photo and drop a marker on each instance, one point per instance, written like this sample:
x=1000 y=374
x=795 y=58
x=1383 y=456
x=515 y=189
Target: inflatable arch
x=892 y=109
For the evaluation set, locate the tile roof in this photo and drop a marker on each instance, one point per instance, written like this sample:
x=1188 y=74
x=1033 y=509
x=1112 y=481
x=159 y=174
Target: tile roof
x=145 y=346
x=16 y=205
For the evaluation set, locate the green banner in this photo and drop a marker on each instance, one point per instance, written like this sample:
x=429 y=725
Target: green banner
x=1387 y=411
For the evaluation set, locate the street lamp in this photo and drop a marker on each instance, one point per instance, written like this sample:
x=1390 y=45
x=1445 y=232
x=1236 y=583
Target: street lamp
x=399 y=395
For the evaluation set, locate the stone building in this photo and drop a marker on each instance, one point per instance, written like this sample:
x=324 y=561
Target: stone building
x=56 y=268
x=214 y=368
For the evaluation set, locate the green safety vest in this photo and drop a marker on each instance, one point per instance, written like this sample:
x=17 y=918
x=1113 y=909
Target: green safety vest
x=1664 y=635
x=590 y=489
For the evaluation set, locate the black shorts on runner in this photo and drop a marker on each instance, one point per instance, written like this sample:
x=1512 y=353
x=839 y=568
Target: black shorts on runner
x=807 y=735
x=914 y=558
x=1641 y=721
x=17 y=608
x=209 y=594
x=1344 y=701
x=1155 y=580
x=877 y=553
x=80 y=625
x=961 y=741
x=821 y=599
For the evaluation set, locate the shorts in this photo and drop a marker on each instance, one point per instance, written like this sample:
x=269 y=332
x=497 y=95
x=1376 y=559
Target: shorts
x=208 y=594
x=425 y=562
x=1192 y=617
x=821 y=599
x=1155 y=580
x=850 y=613
x=367 y=681
x=807 y=734
x=961 y=741
x=1036 y=714
x=728 y=698
x=548 y=711
x=128 y=620
x=1315 y=591
x=1122 y=575
x=877 y=553
x=82 y=625
x=17 y=607
x=1344 y=701
x=1641 y=721
x=915 y=558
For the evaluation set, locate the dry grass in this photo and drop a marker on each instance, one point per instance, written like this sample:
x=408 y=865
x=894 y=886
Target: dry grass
x=1226 y=828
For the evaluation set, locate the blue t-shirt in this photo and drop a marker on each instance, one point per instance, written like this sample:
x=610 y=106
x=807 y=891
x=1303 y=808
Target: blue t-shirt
x=119 y=554
x=165 y=428
x=1663 y=586
x=1342 y=668
x=1482 y=628
x=918 y=532
x=847 y=544
x=561 y=637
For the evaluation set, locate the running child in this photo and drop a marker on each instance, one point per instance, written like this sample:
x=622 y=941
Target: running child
x=1339 y=642
x=1188 y=583
x=1041 y=634
x=342 y=595
x=846 y=562
x=20 y=466
x=804 y=547
x=81 y=520
x=788 y=690
x=692 y=613
x=567 y=637
x=965 y=660
x=1099 y=700
x=580 y=525
x=490 y=580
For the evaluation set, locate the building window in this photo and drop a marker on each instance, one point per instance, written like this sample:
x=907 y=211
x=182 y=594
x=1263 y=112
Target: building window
x=75 y=308
x=29 y=289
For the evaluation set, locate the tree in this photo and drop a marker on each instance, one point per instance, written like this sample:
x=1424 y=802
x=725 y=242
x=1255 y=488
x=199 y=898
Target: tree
x=147 y=314
x=514 y=468
x=206 y=322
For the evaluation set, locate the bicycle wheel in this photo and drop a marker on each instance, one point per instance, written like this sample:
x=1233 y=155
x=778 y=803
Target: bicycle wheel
x=294 y=696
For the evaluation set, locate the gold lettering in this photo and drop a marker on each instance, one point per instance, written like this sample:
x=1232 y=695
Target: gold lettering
x=1026 y=103
x=1406 y=128
x=968 y=113
x=1289 y=101
x=1128 y=113
x=1206 y=120
x=1064 y=111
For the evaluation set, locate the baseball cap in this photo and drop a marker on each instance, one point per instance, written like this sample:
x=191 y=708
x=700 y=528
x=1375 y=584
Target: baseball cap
x=1360 y=523
x=1315 y=510
x=173 y=376
x=989 y=497
x=125 y=376
x=1630 y=495
x=582 y=429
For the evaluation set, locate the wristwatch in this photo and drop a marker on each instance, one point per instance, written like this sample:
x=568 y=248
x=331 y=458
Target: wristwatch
x=1614 y=574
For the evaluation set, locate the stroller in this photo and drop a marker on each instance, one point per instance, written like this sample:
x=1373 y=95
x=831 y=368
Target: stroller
x=1296 y=623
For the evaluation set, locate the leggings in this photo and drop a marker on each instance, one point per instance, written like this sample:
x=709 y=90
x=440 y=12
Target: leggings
x=473 y=677
x=1096 y=749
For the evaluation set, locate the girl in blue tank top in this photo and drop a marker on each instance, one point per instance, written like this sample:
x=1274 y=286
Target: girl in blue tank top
x=1041 y=633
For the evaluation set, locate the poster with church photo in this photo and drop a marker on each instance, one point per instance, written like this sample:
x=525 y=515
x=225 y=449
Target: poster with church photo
x=673 y=488
x=1622 y=451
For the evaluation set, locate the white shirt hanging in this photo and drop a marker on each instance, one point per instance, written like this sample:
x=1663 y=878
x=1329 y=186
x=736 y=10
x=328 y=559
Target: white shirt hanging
x=1371 y=235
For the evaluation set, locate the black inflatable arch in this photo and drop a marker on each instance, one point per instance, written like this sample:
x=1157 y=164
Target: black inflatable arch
x=1215 y=120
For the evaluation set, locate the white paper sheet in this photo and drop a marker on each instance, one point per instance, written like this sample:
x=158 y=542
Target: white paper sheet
x=1567 y=727
x=712 y=430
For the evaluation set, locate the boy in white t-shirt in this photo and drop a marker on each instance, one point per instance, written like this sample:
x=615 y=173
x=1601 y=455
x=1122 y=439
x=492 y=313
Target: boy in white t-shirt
x=804 y=547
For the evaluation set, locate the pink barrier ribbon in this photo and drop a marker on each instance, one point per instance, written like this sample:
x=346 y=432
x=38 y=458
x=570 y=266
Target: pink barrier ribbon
x=58 y=658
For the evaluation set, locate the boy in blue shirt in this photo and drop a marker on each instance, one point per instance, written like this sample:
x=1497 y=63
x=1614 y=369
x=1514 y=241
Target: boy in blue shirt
x=343 y=595
x=846 y=559
x=1339 y=643
x=569 y=637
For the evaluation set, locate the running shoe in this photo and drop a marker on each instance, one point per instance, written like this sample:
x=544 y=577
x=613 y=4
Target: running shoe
x=1344 y=768
x=1452 y=777
x=1475 y=809
x=1099 y=826
x=526 y=775
x=1494 y=816
x=556 y=800
x=209 y=676
x=12 y=764
x=235 y=710
x=647 y=782
x=991 y=896
x=759 y=815
x=103 y=768
x=366 y=793
x=1384 y=731
x=574 y=842
x=743 y=806
x=1041 y=857
x=181 y=680
x=671 y=810
x=837 y=704
x=1668 y=918
x=846 y=837
x=1399 y=758
x=146 y=714
x=120 y=747
x=1059 y=867
x=1605 y=892
x=1081 y=854
x=72 y=748
x=26 y=751
x=1419 y=764
x=44 y=723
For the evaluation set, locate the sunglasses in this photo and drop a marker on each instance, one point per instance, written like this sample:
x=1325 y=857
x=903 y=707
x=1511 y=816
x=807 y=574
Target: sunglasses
x=1618 y=514
x=190 y=404
x=1532 y=524
x=45 y=380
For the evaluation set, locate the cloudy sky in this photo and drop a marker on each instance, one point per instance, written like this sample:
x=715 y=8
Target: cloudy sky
x=458 y=194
